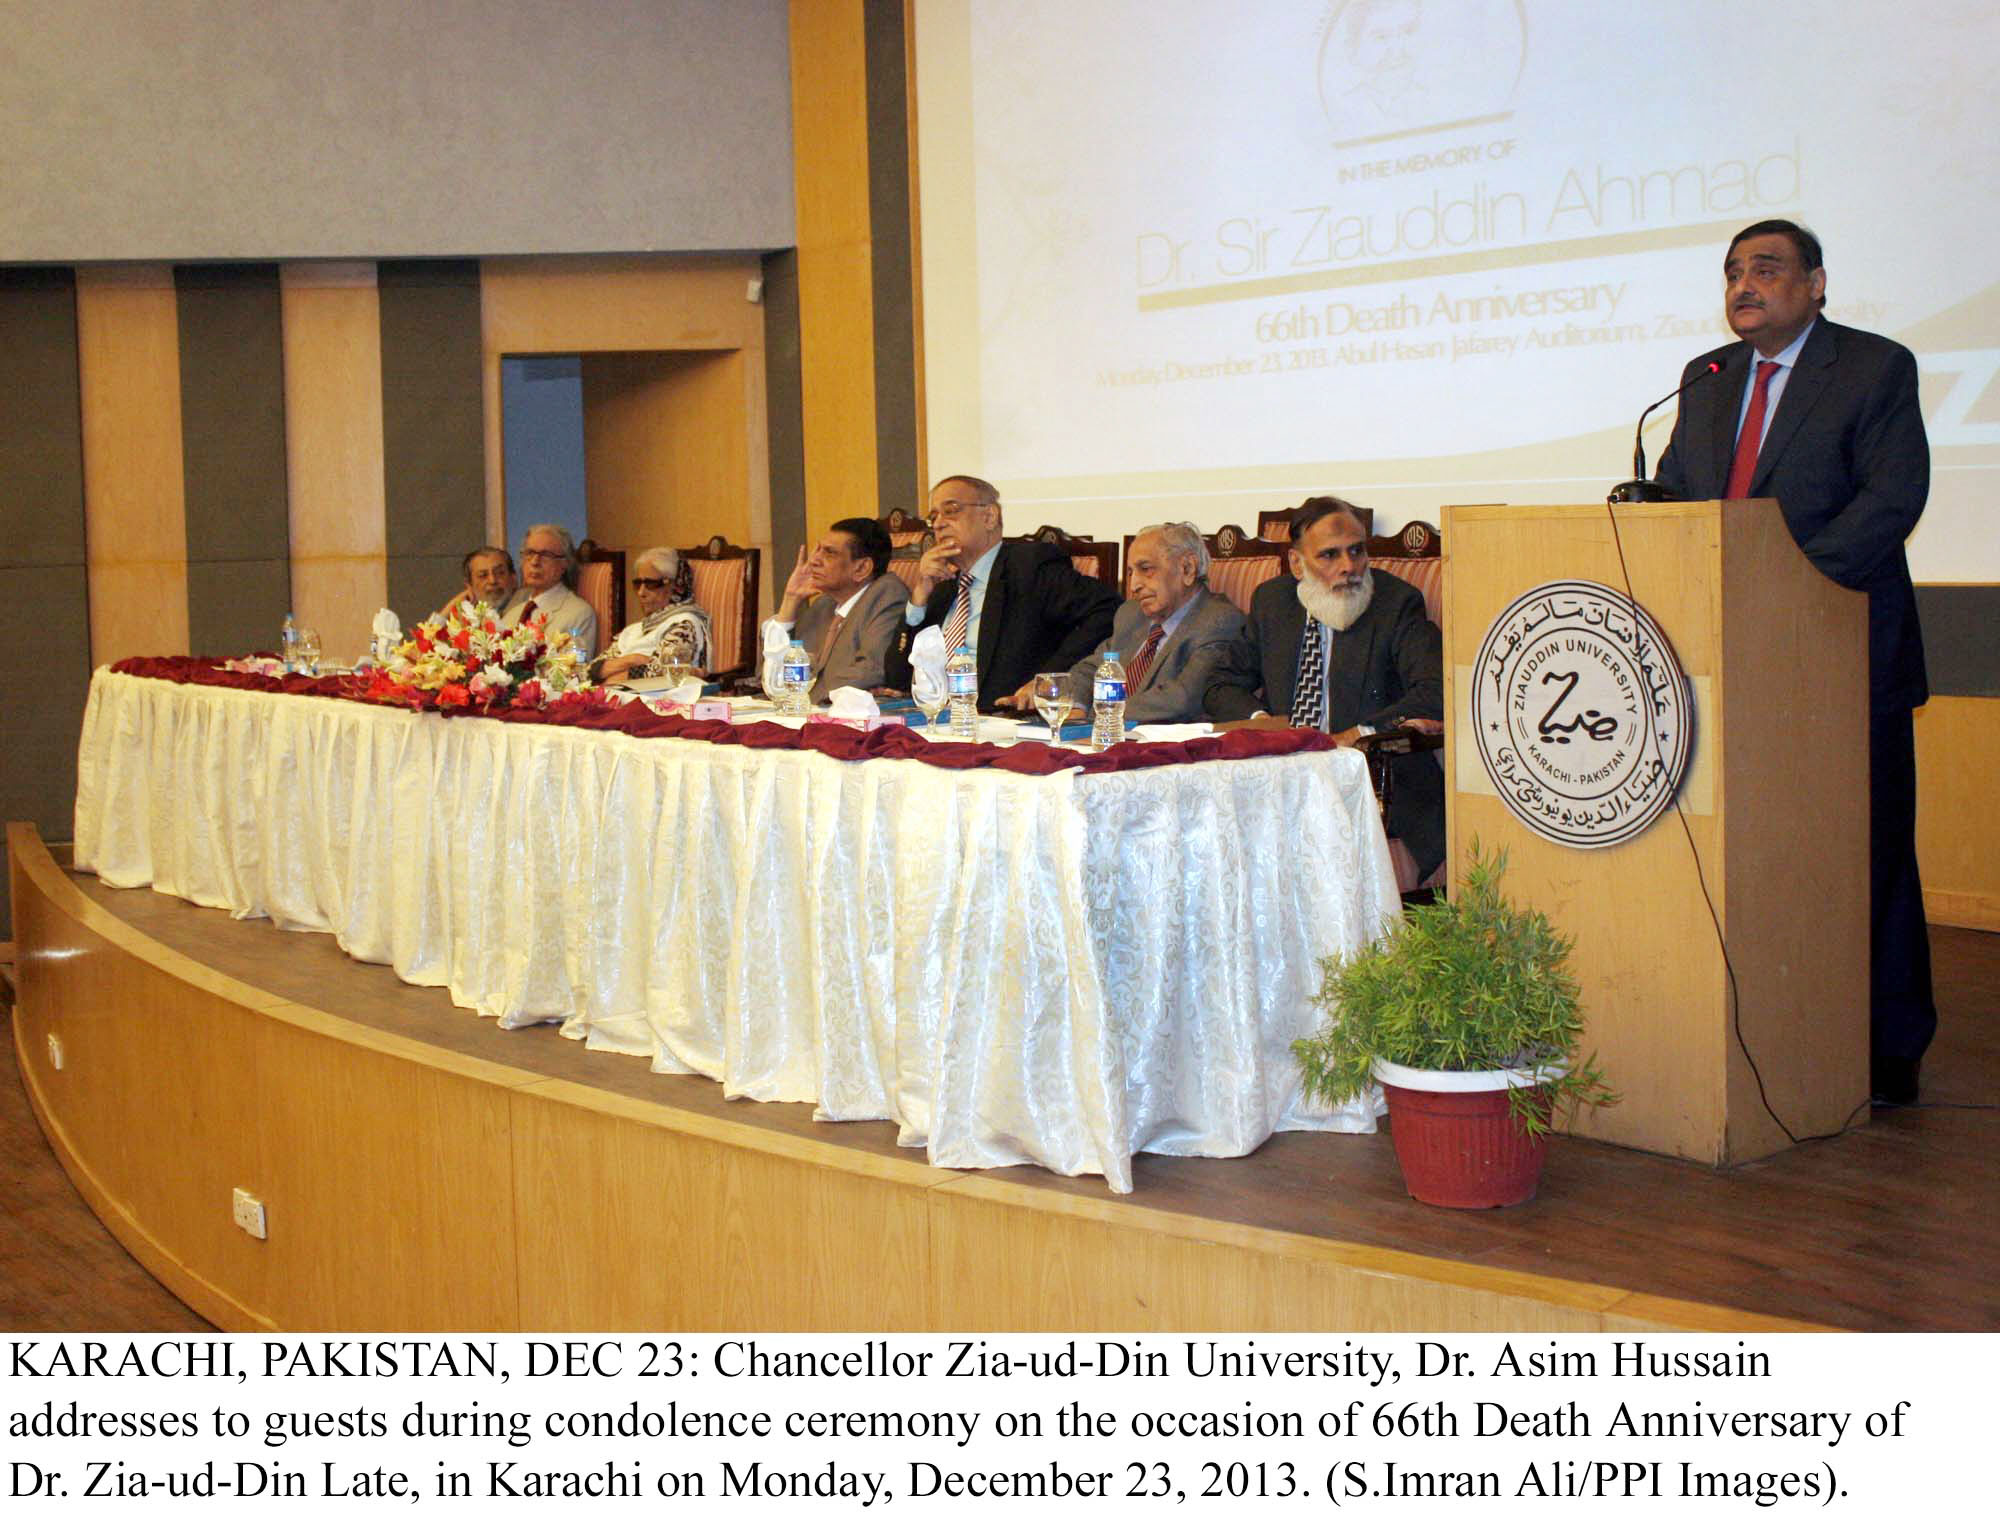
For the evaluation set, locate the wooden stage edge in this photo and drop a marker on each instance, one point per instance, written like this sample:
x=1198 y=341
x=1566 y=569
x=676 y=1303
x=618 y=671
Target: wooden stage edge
x=426 y=1170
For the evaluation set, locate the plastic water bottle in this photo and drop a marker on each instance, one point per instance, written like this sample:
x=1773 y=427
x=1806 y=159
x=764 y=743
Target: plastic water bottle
x=288 y=641
x=795 y=680
x=961 y=680
x=1107 y=722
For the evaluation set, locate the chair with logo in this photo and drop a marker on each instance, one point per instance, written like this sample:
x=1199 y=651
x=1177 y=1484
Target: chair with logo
x=1238 y=563
x=1098 y=561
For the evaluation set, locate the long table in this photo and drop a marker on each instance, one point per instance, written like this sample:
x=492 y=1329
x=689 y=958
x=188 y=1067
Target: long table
x=1060 y=970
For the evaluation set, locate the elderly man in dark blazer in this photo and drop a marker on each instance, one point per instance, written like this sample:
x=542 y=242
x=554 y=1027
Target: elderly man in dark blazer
x=1171 y=636
x=1337 y=646
x=1021 y=606
x=1825 y=420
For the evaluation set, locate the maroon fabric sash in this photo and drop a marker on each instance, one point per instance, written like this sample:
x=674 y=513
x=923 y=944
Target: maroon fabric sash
x=591 y=711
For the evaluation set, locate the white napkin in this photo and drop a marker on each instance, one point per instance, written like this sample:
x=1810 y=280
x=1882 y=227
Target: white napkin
x=852 y=702
x=388 y=633
x=927 y=654
x=688 y=691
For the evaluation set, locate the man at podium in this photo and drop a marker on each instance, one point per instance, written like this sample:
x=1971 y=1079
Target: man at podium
x=1826 y=423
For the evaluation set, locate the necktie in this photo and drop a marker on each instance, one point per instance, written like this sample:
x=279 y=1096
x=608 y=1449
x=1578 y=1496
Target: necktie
x=960 y=620
x=826 y=644
x=1136 y=676
x=1743 y=467
x=1309 y=691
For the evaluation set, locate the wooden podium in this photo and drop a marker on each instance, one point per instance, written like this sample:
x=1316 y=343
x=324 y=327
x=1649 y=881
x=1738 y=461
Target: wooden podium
x=1775 y=802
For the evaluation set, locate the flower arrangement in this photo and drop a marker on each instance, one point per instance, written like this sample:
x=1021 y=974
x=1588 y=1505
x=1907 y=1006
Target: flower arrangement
x=467 y=659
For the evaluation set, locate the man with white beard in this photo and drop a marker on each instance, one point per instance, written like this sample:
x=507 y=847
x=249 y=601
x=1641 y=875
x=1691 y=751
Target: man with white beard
x=1345 y=649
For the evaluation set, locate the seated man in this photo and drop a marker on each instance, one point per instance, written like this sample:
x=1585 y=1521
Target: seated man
x=1339 y=647
x=843 y=605
x=669 y=622
x=547 y=558
x=1021 y=606
x=489 y=577
x=1170 y=636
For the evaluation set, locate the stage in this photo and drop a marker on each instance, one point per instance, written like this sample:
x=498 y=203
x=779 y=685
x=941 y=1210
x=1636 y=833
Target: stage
x=425 y=1169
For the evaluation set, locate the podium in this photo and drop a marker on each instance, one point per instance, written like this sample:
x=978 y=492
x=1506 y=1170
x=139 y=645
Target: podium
x=1773 y=806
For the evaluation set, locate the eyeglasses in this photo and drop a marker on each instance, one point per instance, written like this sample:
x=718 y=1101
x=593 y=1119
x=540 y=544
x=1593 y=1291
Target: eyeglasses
x=541 y=553
x=642 y=582
x=956 y=507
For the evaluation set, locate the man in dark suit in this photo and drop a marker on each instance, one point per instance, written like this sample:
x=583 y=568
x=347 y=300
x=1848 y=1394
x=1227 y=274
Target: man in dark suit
x=1335 y=645
x=843 y=605
x=1826 y=422
x=1021 y=606
x=1171 y=636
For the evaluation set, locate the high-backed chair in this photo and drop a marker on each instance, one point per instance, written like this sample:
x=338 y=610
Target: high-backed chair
x=1098 y=561
x=1238 y=563
x=725 y=586
x=1415 y=554
x=905 y=527
x=600 y=580
x=907 y=555
x=1274 y=526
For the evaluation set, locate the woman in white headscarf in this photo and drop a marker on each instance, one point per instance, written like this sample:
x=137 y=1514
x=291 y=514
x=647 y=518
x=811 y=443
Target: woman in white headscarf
x=669 y=620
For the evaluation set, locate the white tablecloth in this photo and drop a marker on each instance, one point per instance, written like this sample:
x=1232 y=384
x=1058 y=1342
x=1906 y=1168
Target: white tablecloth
x=1059 y=970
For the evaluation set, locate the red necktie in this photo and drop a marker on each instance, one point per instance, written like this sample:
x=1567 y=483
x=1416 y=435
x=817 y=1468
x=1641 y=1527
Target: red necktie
x=1136 y=676
x=1743 y=468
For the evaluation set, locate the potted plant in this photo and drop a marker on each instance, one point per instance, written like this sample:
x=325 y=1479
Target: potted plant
x=1467 y=1016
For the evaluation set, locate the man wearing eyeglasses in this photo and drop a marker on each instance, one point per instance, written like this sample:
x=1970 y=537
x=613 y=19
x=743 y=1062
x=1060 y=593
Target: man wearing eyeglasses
x=1022 y=607
x=546 y=558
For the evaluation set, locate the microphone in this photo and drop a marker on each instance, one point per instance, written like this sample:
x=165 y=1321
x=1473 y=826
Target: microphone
x=1639 y=489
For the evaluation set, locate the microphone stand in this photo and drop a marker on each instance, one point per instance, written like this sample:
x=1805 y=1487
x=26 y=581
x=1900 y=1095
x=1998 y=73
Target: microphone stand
x=1640 y=490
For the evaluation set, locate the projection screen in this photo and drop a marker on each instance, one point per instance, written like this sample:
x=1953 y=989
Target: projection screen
x=1197 y=260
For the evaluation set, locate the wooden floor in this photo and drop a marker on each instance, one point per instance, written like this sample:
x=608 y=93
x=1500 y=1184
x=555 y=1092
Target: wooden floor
x=1894 y=1226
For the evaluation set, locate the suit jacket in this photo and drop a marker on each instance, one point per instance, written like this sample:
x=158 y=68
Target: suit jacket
x=862 y=644
x=1039 y=614
x=1174 y=688
x=1387 y=667
x=1846 y=458
x=566 y=611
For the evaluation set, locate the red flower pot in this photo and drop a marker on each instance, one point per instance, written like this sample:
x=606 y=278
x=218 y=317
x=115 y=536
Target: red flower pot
x=1460 y=1147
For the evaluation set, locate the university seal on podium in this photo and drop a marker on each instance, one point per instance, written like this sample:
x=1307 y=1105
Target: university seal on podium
x=1583 y=717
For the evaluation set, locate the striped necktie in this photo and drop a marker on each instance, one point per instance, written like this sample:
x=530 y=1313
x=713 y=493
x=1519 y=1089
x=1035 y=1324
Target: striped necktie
x=1142 y=661
x=1309 y=691
x=960 y=620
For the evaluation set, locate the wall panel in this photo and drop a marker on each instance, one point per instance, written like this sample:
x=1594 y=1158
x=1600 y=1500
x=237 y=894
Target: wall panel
x=333 y=449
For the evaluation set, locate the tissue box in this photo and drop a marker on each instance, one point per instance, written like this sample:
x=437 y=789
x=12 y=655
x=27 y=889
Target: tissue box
x=859 y=725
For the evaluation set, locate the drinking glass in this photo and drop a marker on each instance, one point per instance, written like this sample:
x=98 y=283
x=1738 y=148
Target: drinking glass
x=1052 y=700
x=676 y=659
x=309 y=651
x=930 y=697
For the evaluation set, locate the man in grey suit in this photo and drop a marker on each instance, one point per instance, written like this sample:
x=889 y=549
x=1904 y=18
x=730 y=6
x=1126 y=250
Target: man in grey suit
x=843 y=605
x=1170 y=636
x=547 y=557
x=1346 y=649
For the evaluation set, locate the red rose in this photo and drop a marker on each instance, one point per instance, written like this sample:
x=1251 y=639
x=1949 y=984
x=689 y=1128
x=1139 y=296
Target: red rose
x=462 y=641
x=454 y=695
x=530 y=694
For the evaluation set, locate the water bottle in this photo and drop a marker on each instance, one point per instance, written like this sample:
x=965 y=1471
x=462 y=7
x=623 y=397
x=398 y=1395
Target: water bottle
x=288 y=640
x=795 y=680
x=961 y=680
x=1107 y=723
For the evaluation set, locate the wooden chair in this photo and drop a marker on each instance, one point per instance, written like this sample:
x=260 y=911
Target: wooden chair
x=904 y=560
x=725 y=586
x=1238 y=563
x=1415 y=554
x=905 y=527
x=1099 y=561
x=600 y=580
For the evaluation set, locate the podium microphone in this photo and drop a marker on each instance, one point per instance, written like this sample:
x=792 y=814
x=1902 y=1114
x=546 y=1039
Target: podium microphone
x=1640 y=490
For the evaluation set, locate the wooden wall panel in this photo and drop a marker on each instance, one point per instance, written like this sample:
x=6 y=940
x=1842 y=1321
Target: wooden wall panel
x=333 y=450
x=708 y=1226
x=665 y=456
x=1958 y=817
x=128 y=364
x=836 y=260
